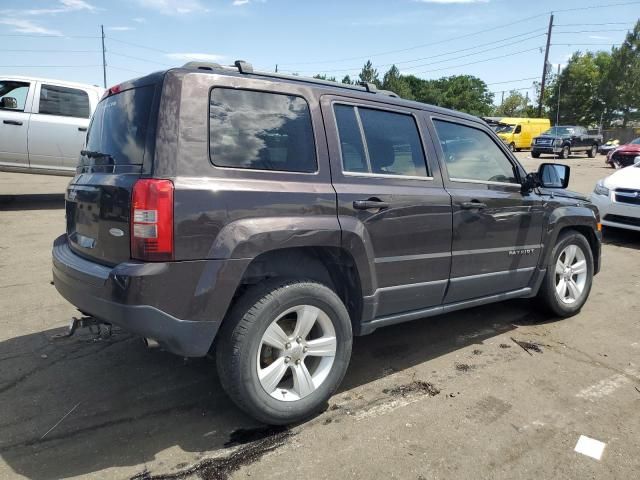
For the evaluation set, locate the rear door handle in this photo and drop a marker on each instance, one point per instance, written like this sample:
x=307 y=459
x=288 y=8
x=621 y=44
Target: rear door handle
x=473 y=205
x=82 y=129
x=369 y=204
x=12 y=122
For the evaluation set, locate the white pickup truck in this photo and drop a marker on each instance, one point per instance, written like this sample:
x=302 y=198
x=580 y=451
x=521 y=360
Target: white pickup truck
x=43 y=123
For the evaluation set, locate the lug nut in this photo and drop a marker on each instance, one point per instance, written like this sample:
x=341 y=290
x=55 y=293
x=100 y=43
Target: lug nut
x=305 y=349
x=299 y=339
x=287 y=346
x=297 y=362
x=287 y=359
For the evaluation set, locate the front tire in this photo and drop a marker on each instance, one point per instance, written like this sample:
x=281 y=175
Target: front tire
x=284 y=350
x=564 y=154
x=567 y=282
x=593 y=151
x=535 y=154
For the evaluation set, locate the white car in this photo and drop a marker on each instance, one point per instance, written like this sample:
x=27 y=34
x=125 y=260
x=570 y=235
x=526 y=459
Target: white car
x=43 y=123
x=618 y=198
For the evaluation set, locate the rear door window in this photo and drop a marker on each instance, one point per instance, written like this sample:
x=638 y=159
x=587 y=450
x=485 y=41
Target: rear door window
x=379 y=142
x=260 y=130
x=64 y=101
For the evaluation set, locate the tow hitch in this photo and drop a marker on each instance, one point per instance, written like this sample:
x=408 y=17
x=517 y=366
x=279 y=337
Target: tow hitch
x=97 y=327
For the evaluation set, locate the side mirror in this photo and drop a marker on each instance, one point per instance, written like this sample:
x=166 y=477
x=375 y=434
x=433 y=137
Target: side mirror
x=9 y=102
x=553 y=175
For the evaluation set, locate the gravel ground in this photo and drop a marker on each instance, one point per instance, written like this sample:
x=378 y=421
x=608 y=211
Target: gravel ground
x=499 y=391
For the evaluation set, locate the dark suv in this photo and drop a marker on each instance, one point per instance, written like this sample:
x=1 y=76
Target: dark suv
x=272 y=218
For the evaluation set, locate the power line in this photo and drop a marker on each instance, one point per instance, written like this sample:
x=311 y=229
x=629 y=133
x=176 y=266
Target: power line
x=592 y=7
x=513 y=81
x=479 y=61
x=45 y=36
x=138 y=58
x=597 y=31
x=589 y=24
x=442 y=54
x=137 y=45
x=48 y=66
x=126 y=69
x=47 y=51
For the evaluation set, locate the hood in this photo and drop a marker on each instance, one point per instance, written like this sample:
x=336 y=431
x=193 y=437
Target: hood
x=628 y=177
x=629 y=148
x=564 y=194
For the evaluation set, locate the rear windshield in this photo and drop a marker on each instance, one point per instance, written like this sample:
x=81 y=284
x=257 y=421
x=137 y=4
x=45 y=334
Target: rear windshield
x=119 y=126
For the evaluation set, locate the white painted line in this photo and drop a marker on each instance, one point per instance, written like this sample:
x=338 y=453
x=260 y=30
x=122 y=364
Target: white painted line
x=608 y=385
x=590 y=447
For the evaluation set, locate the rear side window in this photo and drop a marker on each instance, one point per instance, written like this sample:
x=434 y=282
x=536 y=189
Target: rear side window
x=379 y=142
x=259 y=130
x=470 y=154
x=63 y=101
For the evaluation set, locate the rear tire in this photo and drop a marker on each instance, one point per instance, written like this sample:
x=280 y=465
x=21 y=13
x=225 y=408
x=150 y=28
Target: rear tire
x=512 y=147
x=593 y=151
x=567 y=281
x=535 y=154
x=284 y=350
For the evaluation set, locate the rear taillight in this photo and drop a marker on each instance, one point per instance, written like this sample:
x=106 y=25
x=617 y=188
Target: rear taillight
x=152 y=220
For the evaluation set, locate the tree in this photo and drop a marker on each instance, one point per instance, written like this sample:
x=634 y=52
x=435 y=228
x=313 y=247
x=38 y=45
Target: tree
x=467 y=94
x=623 y=77
x=580 y=86
x=347 y=80
x=324 y=77
x=514 y=105
x=395 y=82
x=369 y=74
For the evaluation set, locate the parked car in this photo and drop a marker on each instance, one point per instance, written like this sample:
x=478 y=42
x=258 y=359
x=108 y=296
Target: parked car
x=274 y=217
x=624 y=155
x=618 y=198
x=608 y=146
x=518 y=133
x=562 y=141
x=43 y=124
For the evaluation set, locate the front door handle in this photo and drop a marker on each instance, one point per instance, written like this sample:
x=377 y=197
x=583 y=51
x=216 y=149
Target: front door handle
x=369 y=204
x=473 y=205
x=82 y=129
x=12 y=122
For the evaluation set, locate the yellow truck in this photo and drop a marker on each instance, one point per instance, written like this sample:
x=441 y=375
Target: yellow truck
x=518 y=133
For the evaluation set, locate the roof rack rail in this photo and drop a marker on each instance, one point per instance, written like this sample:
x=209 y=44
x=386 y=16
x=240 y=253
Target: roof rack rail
x=389 y=93
x=202 y=65
x=370 y=87
x=243 y=67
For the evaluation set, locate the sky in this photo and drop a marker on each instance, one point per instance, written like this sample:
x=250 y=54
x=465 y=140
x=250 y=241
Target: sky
x=500 y=41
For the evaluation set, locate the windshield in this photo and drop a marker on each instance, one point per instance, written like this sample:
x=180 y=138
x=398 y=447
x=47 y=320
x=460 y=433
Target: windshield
x=118 y=129
x=505 y=128
x=635 y=142
x=559 y=131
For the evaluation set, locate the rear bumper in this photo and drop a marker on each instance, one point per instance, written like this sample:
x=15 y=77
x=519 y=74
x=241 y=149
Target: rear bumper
x=179 y=304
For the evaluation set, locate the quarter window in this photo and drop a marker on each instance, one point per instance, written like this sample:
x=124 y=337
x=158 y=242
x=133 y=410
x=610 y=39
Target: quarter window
x=470 y=154
x=64 y=101
x=379 y=142
x=258 y=130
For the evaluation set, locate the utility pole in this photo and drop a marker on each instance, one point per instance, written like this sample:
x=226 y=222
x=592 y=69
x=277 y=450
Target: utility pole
x=544 y=66
x=502 y=101
x=104 y=59
x=276 y=68
x=558 y=109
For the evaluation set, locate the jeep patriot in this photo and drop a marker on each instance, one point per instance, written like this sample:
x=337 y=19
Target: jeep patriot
x=271 y=218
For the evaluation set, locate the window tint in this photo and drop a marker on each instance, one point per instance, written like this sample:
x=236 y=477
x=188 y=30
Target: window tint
x=13 y=95
x=353 y=156
x=470 y=154
x=258 y=130
x=63 y=101
x=119 y=125
x=518 y=129
x=392 y=142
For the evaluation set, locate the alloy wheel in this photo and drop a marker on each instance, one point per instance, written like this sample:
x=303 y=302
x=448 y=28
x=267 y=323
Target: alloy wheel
x=571 y=274
x=296 y=353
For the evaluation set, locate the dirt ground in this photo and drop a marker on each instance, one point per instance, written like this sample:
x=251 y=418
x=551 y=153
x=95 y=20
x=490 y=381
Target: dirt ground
x=458 y=396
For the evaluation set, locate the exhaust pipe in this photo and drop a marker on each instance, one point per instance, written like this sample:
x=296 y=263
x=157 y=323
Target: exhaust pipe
x=150 y=343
